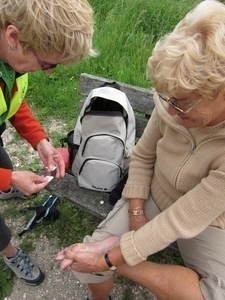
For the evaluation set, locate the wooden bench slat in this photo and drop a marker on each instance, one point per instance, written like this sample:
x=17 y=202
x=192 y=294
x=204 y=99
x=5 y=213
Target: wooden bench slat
x=85 y=199
x=141 y=123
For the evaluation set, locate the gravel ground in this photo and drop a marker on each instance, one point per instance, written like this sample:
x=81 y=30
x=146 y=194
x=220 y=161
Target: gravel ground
x=57 y=285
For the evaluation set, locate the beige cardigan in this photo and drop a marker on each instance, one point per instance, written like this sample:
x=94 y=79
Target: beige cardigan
x=184 y=170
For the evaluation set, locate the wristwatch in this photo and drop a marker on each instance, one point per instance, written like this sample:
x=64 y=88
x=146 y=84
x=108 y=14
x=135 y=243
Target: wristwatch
x=108 y=262
x=136 y=212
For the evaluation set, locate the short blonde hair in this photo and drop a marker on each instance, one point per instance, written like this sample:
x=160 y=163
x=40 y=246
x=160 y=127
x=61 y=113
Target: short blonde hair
x=52 y=26
x=192 y=57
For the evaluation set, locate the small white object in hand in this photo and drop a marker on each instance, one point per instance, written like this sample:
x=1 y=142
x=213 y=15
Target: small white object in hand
x=49 y=178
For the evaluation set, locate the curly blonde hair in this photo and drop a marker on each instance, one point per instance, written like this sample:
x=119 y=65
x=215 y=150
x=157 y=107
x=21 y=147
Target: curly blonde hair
x=51 y=26
x=192 y=57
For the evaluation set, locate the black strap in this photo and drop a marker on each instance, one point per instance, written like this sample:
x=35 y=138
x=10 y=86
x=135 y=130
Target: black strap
x=113 y=84
x=45 y=212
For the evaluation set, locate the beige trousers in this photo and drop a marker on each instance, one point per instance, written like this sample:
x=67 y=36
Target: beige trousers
x=204 y=253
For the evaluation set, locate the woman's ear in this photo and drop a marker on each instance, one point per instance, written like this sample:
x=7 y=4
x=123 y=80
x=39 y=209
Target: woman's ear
x=12 y=36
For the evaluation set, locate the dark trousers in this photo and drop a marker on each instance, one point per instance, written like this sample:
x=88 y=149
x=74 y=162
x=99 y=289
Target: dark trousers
x=5 y=162
x=5 y=234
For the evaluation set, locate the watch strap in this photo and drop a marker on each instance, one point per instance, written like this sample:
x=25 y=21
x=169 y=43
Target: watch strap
x=108 y=262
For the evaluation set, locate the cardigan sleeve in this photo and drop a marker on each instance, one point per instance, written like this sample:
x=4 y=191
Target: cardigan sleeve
x=5 y=175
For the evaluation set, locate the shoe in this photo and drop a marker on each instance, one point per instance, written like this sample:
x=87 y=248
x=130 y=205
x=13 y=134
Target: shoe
x=25 y=269
x=14 y=193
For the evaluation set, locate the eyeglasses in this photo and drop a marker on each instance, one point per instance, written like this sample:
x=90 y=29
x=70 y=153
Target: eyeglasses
x=173 y=103
x=44 y=65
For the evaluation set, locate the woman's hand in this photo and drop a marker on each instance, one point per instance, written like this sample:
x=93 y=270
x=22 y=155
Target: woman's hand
x=28 y=182
x=78 y=258
x=51 y=158
x=69 y=256
x=85 y=262
x=67 y=261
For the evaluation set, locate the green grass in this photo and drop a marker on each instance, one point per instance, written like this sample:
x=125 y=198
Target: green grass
x=125 y=34
x=6 y=280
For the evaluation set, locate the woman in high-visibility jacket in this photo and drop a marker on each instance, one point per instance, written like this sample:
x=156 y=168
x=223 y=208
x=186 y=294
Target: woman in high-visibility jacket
x=34 y=35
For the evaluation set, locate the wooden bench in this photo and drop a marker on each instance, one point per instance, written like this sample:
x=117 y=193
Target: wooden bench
x=94 y=202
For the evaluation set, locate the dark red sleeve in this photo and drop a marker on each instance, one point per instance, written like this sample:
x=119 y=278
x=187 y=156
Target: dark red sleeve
x=27 y=125
x=5 y=175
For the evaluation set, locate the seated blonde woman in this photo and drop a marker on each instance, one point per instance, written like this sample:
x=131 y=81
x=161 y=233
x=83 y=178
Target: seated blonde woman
x=176 y=185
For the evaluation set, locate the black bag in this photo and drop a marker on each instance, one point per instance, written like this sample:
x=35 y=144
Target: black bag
x=72 y=148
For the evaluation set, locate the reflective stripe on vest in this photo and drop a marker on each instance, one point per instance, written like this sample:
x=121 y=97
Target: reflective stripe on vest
x=15 y=102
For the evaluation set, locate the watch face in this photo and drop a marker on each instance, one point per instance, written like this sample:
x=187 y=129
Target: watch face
x=138 y=212
x=113 y=268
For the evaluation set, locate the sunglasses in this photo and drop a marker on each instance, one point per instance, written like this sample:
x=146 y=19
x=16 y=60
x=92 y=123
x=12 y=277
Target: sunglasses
x=44 y=65
x=173 y=103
